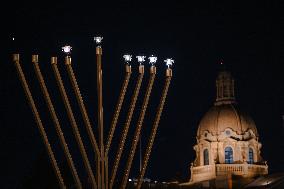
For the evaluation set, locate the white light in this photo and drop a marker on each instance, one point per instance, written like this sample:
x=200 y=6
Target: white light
x=141 y=59
x=98 y=40
x=127 y=58
x=169 y=62
x=152 y=59
x=67 y=49
x=13 y=38
x=129 y=180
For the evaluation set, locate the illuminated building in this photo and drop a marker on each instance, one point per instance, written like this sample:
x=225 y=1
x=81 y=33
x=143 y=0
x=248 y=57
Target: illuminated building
x=227 y=139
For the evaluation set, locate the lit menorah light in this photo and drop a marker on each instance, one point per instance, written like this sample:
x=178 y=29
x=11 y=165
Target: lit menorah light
x=169 y=62
x=67 y=49
x=127 y=58
x=141 y=59
x=152 y=60
x=98 y=179
x=98 y=40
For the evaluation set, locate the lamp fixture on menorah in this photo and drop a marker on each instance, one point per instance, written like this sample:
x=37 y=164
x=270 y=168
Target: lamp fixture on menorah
x=99 y=178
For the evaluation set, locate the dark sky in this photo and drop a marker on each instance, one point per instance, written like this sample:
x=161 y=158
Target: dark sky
x=247 y=36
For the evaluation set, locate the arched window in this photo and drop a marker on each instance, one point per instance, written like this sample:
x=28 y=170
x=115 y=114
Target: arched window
x=229 y=155
x=250 y=156
x=206 y=157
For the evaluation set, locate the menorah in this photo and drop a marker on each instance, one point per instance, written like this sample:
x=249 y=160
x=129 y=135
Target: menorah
x=101 y=148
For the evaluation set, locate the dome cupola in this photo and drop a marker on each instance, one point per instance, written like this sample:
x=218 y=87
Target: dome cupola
x=225 y=92
x=225 y=114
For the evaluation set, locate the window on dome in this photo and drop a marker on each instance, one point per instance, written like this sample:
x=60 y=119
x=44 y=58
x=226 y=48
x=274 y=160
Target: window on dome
x=229 y=155
x=206 y=157
x=250 y=156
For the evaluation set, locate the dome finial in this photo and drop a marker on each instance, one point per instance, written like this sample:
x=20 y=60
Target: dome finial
x=221 y=64
x=221 y=61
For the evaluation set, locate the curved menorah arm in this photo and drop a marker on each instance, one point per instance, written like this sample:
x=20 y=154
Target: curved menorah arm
x=116 y=115
x=55 y=121
x=73 y=122
x=16 y=60
x=81 y=104
x=155 y=127
x=138 y=127
x=127 y=124
x=118 y=107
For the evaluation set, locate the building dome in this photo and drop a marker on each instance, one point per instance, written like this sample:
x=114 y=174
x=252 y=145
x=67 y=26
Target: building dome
x=227 y=139
x=224 y=116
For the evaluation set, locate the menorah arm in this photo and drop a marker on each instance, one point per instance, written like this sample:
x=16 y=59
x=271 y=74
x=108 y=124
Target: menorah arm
x=155 y=127
x=55 y=121
x=127 y=124
x=81 y=104
x=118 y=107
x=73 y=124
x=16 y=60
x=138 y=127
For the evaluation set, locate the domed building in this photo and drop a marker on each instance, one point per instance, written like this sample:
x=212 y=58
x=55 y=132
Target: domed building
x=227 y=139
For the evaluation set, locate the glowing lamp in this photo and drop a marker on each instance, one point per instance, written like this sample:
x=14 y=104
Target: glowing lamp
x=67 y=49
x=152 y=60
x=169 y=62
x=98 y=40
x=141 y=59
x=127 y=58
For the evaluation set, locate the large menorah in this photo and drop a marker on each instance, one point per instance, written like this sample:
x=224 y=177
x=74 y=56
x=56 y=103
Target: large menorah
x=100 y=179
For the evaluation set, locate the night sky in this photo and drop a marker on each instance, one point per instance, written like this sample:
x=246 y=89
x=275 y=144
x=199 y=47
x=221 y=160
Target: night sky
x=247 y=36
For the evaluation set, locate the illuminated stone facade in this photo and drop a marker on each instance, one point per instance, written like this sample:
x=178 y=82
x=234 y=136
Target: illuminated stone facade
x=227 y=139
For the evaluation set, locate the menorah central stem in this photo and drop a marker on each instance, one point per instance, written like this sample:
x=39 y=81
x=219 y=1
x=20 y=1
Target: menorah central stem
x=16 y=60
x=100 y=112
